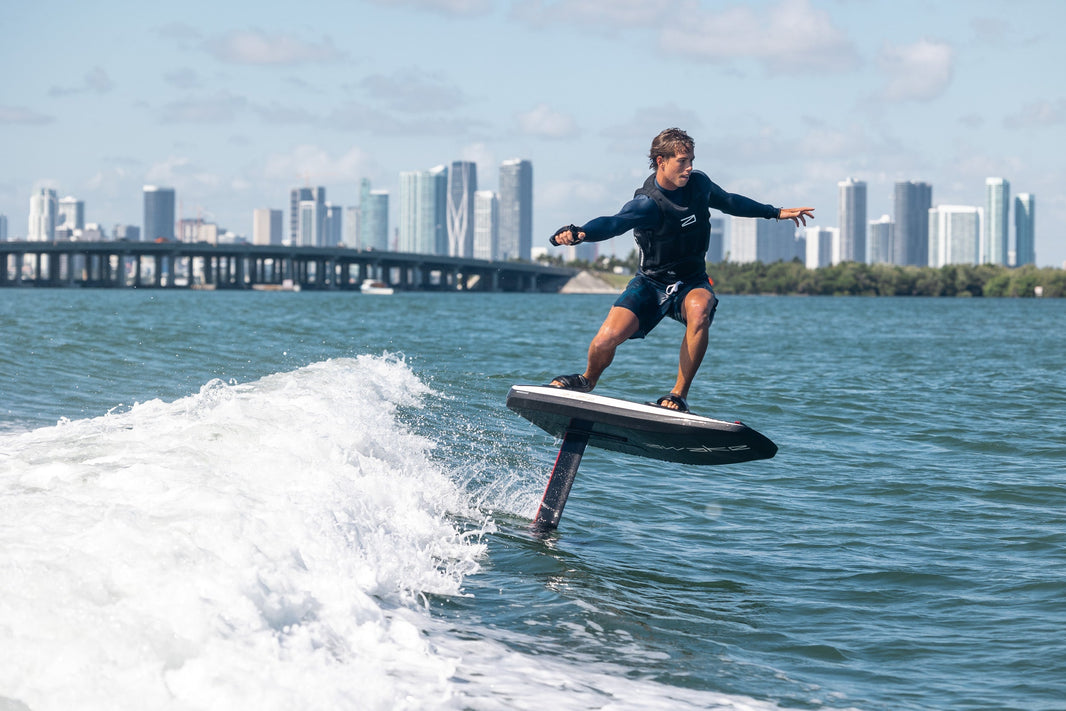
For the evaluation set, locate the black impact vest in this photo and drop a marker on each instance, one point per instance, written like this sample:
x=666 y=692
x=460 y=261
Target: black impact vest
x=677 y=248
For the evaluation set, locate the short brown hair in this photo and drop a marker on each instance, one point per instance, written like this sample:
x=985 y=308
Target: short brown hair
x=669 y=143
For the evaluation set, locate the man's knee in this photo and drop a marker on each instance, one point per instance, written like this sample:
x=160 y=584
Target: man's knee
x=699 y=311
x=610 y=337
x=619 y=326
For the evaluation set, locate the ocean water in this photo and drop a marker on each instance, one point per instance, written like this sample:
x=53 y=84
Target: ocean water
x=320 y=501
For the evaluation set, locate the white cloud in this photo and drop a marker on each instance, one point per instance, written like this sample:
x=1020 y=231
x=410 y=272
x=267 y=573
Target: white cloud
x=1038 y=114
x=597 y=15
x=486 y=162
x=219 y=108
x=19 y=114
x=168 y=172
x=109 y=180
x=575 y=196
x=447 y=7
x=413 y=90
x=546 y=122
x=96 y=80
x=355 y=116
x=791 y=37
x=183 y=78
x=648 y=121
x=318 y=166
x=260 y=48
x=917 y=72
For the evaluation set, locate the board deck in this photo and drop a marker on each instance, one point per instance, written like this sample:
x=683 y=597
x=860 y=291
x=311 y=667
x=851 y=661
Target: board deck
x=640 y=429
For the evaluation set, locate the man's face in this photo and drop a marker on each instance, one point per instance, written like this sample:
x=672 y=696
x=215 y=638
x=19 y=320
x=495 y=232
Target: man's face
x=674 y=172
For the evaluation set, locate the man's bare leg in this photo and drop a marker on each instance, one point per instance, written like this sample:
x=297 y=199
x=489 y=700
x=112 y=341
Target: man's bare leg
x=698 y=306
x=619 y=325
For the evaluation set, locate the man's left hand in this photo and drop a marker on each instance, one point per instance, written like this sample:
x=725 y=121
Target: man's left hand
x=796 y=214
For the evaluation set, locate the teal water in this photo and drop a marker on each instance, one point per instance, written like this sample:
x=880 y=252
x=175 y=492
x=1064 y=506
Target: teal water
x=906 y=549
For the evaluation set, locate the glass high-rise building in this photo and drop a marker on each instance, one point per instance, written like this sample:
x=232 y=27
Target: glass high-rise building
x=373 y=217
x=462 y=184
x=266 y=226
x=486 y=224
x=912 y=203
x=71 y=213
x=296 y=228
x=516 y=210
x=43 y=210
x=766 y=241
x=310 y=223
x=997 y=222
x=1024 y=229
x=423 y=211
x=716 y=242
x=819 y=246
x=852 y=222
x=351 y=226
x=158 y=213
x=954 y=235
x=880 y=245
x=333 y=226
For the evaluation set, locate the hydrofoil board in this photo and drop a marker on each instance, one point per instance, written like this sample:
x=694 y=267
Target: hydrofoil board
x=582 y=419
x=640 y=429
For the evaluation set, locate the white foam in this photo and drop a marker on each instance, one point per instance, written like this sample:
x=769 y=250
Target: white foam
x=257 y=546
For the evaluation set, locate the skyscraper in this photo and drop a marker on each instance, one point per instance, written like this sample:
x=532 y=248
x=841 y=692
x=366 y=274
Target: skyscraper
x=819 y=246
x=766 y=241
x=43 y=209
x=954 y=235
x=71 y=213
x=462 y=184
x=997 y=222
x=3 y=228
x=310 y=223
x=373 y=217
x=912 y=203
x=267 y=226
x=333 y=226
x=351 y=226
x=423 y=211
x=158 y=214
x=716 y=244
x=880 y=247
x=300 y=195
x=127 y=233
x=852 y=220
x=516 y=210
x=1024 y=229
x=486 y=224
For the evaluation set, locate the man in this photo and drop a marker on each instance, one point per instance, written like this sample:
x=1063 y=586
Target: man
x=670 y=220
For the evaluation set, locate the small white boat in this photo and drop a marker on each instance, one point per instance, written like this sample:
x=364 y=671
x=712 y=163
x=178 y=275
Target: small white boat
x=373 y=286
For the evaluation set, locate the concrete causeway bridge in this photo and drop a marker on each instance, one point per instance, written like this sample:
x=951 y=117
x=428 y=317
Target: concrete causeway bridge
x=183 y=265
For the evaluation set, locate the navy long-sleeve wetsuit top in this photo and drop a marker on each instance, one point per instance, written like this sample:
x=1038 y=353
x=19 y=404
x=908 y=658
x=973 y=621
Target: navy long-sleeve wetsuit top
x=642 y=213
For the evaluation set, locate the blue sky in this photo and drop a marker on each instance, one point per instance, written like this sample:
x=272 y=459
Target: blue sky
x=235 y=103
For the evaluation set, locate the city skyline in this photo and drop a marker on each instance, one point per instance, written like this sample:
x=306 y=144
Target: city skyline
x=430 y=222
x=234 y=104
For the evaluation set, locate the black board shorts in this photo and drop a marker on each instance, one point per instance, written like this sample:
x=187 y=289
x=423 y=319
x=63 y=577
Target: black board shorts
x=651 y=300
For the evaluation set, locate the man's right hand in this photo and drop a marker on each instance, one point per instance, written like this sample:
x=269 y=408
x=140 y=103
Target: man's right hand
x=566 y=236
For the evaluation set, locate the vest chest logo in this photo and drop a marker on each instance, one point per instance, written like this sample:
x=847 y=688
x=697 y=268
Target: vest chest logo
x=688 y=220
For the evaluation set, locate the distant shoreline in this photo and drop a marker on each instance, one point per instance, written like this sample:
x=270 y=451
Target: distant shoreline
x=857 y=279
